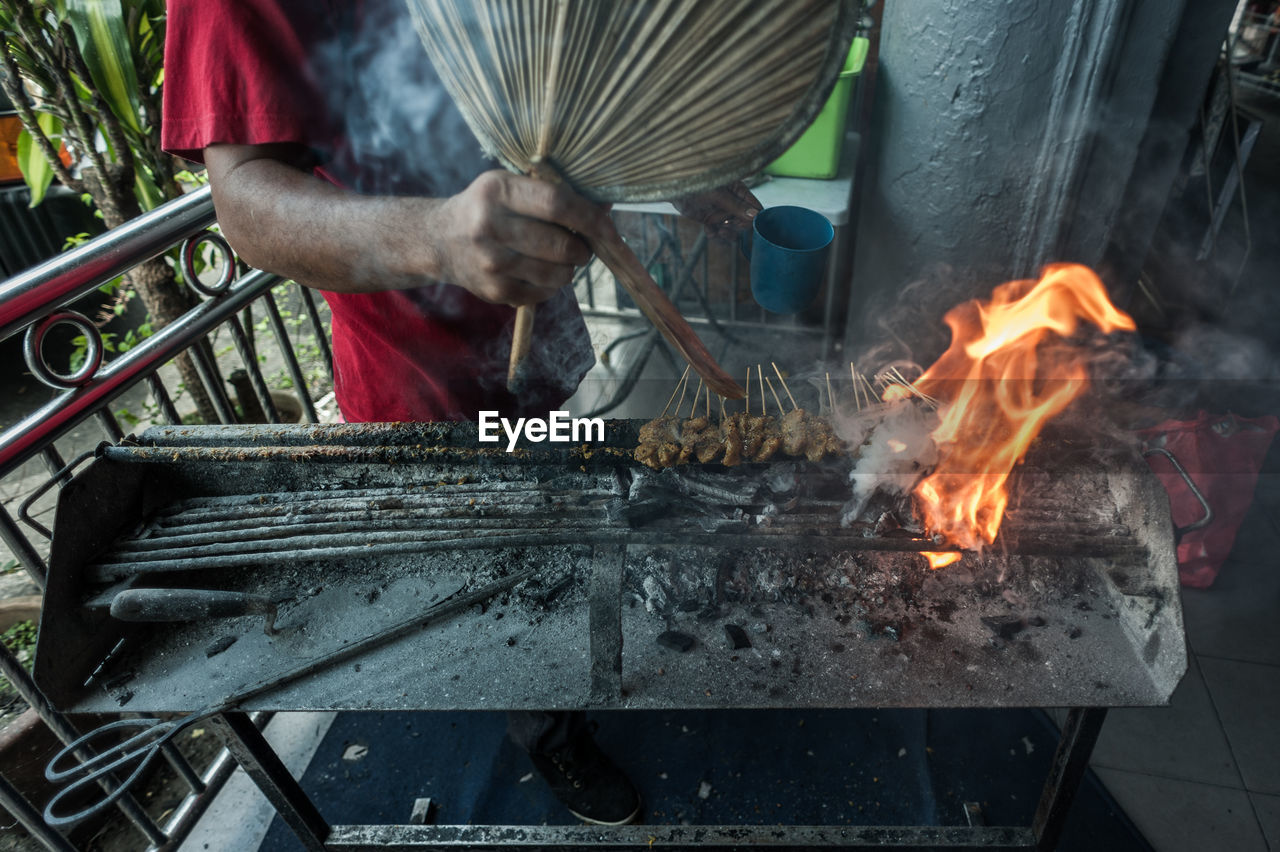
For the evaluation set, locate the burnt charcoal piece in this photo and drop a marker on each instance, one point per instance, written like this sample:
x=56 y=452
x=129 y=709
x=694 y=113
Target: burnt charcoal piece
x=1005 y=626
x=737 y=637
x=676 y=641
x=710 y=612
x=637 y=513
x=219 y=645
x=119 y=681
x=553 y=592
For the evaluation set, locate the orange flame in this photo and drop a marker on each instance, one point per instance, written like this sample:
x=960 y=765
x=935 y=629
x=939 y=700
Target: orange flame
x=940 y=559
x=894 y=393
x=1000 y=387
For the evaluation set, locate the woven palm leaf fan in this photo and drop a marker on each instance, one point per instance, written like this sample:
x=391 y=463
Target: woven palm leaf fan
x=637 y=100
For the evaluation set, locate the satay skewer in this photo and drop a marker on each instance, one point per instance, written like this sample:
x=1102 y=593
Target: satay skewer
x=683 y=377
x=683 y=387
x=764 y=408
x=784 y=386
x=853 y=377
x=775 y=394
x=870 y=389
x=912 y=387
x=694 y=407
x=831 y=398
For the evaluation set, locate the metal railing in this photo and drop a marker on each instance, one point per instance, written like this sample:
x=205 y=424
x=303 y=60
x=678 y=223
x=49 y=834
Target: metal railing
x=36 y=301
x=1253 y=49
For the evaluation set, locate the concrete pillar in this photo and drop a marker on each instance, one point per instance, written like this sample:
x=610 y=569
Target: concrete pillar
x=1004 y=135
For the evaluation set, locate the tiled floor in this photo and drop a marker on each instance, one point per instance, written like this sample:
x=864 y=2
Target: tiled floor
x=1204 y=773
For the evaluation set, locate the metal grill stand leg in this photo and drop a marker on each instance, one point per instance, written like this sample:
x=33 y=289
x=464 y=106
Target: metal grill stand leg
x=23 y=812
x=1069 y=764
x=260 y=762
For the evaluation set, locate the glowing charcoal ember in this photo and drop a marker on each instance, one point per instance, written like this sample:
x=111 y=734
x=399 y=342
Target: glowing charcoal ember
x=941 y=560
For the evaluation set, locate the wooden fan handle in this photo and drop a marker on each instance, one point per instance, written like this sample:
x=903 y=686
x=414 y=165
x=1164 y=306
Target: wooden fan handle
x=521 y=341
x=653 y=302
x=648 y=296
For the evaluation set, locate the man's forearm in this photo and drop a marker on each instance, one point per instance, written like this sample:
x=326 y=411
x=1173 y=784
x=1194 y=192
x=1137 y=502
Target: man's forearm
x=285 y=220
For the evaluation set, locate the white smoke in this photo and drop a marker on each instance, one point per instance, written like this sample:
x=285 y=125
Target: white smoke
x=894 y=447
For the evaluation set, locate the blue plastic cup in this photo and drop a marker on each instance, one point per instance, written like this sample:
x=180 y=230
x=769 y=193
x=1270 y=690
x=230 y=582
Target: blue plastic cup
x=789 y=257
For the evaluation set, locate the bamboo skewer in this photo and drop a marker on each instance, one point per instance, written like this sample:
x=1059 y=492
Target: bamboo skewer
x=775 y=394
x=784 y=386
x=679 y=384
x=913 y=389
x=892 y=376
x=831 y=399
x=759 y=376
x=694 y=407
x=683 y=387
x=869 y=389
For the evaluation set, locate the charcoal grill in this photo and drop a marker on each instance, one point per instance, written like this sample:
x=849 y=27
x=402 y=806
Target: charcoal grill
x=354 y=527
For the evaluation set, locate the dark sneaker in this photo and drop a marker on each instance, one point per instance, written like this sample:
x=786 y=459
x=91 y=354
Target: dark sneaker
x=588 y=783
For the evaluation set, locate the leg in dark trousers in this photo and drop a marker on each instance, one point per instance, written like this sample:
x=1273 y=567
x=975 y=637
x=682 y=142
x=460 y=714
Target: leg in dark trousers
x=545 y=731
x=581 y=776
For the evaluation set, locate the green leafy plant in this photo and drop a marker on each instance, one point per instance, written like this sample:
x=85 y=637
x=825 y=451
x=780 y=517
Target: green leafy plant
x=21 y=641
x=86 y=76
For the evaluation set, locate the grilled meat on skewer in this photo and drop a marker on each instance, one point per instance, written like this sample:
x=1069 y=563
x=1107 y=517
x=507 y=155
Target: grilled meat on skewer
x=732 y=441
x=667 y=442
x=691 y=434
x=762 y=434
x=660 y=431
x=711 y=446
x=821 y=440
x=659 y=443
x=795 y=431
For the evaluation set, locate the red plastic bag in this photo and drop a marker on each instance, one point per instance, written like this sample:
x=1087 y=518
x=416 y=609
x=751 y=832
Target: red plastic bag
x=1222 y=455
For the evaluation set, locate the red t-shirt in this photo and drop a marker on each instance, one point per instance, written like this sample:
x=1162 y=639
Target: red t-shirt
x=352 y=82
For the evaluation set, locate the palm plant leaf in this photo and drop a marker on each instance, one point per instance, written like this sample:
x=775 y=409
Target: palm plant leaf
x=104 y=41
x=36 y=170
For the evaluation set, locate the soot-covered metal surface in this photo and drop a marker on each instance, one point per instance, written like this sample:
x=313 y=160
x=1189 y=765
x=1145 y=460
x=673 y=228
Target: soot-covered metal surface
x=726 y=587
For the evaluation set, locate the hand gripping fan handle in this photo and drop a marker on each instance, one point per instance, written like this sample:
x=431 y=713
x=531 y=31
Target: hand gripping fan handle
x=652 y=301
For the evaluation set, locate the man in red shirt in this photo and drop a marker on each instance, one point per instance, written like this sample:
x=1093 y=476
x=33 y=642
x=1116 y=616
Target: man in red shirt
x=337 y=160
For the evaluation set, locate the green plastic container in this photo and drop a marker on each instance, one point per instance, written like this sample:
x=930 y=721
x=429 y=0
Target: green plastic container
x=816 y=154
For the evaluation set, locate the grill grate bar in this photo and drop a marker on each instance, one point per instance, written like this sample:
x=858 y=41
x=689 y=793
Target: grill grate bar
x=205 y=536
x=268 y=525
x=522 y=534
x=445 y=490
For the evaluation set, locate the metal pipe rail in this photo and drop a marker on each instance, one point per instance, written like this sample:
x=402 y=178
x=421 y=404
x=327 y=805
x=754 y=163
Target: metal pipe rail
x=31 y=295
x=34 y=301
x=24 y=439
